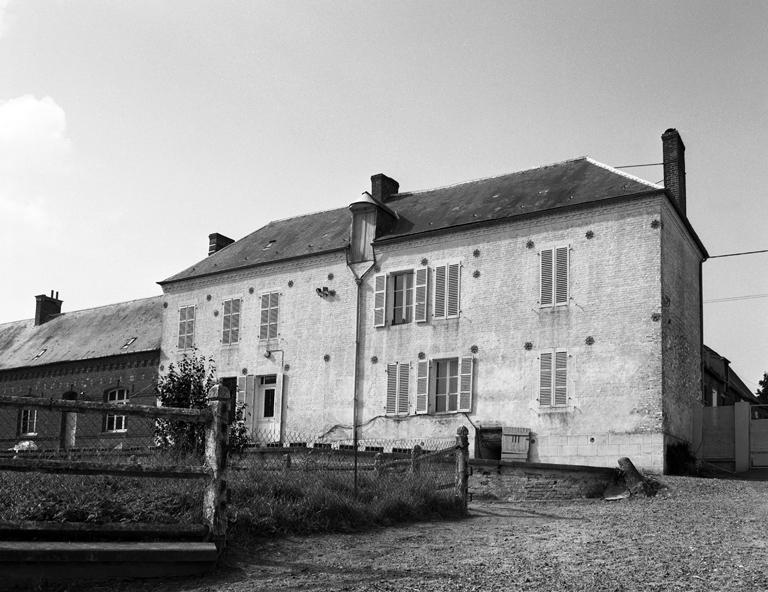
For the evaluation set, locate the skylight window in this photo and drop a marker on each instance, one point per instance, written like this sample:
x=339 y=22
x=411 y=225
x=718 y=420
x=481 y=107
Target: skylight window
x=127 y=343
x=40 y=353
x=269 y=245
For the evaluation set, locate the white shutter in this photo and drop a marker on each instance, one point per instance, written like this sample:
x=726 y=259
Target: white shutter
x=277 y=419
x=402 y=388
x=545 y=299
x=561 y=384
x=545 y=379
x=240 y=397
x=561 y=275
x=422 y=293
x=422 y=387
x=379 y=299
x=452 y=291
x=250 y=401
x=391 y=407
x=440 y=281
x=465 y=383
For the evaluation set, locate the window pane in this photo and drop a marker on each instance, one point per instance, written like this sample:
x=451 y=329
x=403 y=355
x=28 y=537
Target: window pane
x=236 y=306
x=440 y=403
x=227 y=307
x=269 y=402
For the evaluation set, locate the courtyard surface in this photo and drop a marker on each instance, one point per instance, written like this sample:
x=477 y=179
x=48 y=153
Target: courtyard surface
x=698 y=534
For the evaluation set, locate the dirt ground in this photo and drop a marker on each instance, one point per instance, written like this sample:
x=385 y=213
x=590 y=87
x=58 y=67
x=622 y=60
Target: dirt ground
x=699 y=534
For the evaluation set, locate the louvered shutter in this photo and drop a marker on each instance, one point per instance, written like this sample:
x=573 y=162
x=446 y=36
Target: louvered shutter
x=264 y=321
x=465 y=383
x=561 y=384
x=422 y=387
x=240 y=397
x=250 y=400
x=452 y=292
x=440 y=282
x=379 y=299
x=422 y=293
x=545 y=298
x=561 y=275
x=402 y=388
x=545 y=379
x=391 y=389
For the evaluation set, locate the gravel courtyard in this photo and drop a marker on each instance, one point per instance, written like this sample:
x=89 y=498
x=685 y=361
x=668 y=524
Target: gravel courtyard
x=699 y=534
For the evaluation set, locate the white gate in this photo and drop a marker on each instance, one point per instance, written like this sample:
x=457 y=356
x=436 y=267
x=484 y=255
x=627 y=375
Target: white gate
x=758 y=435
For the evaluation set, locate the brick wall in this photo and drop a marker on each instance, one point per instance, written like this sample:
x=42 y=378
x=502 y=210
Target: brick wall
x=90 y=380
x=535 y=481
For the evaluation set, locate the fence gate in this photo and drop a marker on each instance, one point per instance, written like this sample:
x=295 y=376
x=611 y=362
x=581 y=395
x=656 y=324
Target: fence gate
x=758 y=436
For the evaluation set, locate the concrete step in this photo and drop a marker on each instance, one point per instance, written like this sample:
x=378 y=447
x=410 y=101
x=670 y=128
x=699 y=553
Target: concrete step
x=28 y=563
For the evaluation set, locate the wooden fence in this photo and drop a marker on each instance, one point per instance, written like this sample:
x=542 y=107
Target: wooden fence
x=215 y=418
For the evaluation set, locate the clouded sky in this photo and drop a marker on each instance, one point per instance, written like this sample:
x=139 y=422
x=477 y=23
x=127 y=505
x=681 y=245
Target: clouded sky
x=130 y=129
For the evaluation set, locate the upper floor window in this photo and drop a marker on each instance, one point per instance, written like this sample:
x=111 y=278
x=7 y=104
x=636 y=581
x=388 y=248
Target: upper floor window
x=186 y=327
x=400 y=297
x=444 y=385
x=447 y=285
x=397 y=388
x=28 y=422
x=112 y=421
x=553 y=378
x=554 y=276
x=269 y=315
x=231 y=322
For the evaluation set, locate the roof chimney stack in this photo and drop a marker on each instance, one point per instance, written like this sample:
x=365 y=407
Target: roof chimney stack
x=673 y=150
x=383 y=187
x=216 y=242
x=46 y=308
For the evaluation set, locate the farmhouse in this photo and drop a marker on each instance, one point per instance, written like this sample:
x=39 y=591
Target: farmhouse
x=563 y=301
x=110 y=354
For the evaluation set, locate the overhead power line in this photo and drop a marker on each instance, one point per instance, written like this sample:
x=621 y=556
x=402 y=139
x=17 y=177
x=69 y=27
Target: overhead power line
x=742 y=253
x=733 y=298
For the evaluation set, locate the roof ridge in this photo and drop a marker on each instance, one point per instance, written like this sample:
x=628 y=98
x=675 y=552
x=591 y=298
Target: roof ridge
x=622 y=173
x=158 y=297
x=535 y=168
x=299 y=216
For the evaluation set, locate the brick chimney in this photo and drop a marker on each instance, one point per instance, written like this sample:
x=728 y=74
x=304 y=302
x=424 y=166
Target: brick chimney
x=216 y=242
x=46 y=308
x=383 y=187
x=673 y=150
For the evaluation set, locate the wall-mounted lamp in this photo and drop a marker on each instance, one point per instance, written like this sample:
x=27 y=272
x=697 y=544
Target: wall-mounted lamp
x=324 y=292
x=267 y=353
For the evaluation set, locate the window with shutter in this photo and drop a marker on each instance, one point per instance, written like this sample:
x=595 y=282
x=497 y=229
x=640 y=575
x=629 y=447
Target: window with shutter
x=561 y=383
x=379 y=300
x=554 y=276
x=391 y=408
x=269 y=315
x=465 y=383
x=553 y=378
x=447 y=290
x=422 y=283
x=545 y=380
x=422 y=387
x=401 y=288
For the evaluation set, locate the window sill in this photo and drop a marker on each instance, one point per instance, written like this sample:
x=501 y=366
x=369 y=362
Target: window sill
x=555 y=410
x=114 y=432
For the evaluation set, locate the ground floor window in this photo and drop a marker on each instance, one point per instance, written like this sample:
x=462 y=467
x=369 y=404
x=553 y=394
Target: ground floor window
x=28 y=422
x=114 y=422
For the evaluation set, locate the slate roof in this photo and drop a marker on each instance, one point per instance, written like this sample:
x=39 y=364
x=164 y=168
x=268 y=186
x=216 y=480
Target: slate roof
x=569 y=183
x=83 y=334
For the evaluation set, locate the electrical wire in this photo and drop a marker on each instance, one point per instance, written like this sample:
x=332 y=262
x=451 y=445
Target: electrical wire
x=736 y=254
x=734 y=298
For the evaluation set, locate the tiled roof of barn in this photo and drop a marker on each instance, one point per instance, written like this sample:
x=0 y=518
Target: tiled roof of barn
x=568 y=183
x=83 y=334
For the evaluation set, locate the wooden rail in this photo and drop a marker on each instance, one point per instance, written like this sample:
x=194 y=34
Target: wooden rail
x=65 y=406
x=77 y=467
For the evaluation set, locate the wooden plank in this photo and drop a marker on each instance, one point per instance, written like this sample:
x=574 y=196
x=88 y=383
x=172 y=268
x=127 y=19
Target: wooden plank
x=112 y=529
x=94 y=468
x=100 y=551
x=173 y=413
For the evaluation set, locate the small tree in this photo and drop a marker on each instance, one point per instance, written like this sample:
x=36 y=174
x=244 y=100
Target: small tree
x=185 y=385
x=762 y=392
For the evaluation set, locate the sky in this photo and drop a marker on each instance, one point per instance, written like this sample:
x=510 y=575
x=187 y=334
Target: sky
x=132 y=129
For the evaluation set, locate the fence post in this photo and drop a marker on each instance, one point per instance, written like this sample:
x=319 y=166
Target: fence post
x=286 y=461
x=377 y=463
x=415 y=453
x=462 y=465
x=216 y=492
